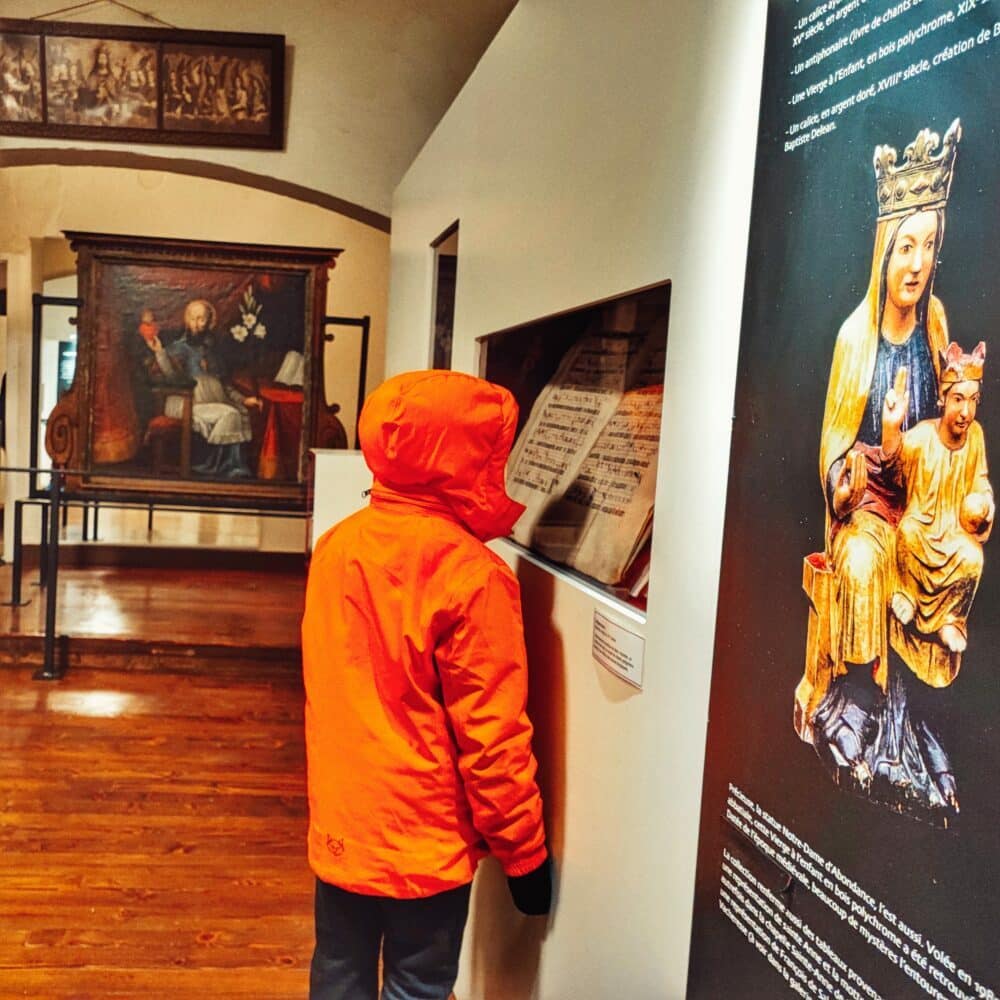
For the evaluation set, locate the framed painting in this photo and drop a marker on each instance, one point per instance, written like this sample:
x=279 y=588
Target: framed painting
x=119 y=84
x=199 y=375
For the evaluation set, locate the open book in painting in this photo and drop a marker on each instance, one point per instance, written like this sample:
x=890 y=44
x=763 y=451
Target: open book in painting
x=584 y=464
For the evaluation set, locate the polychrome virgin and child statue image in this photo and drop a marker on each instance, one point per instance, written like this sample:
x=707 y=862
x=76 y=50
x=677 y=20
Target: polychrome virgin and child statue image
x=908 y=509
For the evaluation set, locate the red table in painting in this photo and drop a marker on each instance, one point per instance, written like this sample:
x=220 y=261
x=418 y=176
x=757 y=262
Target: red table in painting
x=279 y=450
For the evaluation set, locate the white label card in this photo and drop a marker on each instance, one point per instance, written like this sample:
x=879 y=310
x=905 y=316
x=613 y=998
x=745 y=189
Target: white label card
x=617 y=649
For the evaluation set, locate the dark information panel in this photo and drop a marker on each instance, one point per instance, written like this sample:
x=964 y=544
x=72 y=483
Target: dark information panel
x=850 y=827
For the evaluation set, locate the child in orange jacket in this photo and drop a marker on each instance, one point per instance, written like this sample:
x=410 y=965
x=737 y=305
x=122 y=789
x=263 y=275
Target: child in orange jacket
x=419 y=747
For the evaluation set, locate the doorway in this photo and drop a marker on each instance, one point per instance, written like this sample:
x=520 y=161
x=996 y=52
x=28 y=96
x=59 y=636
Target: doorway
x=445 y=249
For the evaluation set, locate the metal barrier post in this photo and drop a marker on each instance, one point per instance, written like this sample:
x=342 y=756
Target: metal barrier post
x=17 y=564
x=43 y=548
x=50 y=671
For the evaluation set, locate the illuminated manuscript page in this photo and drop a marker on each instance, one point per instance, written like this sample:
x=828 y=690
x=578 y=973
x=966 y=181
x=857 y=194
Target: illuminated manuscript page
x=563 y=426
x=615 y=488
x=585 y=462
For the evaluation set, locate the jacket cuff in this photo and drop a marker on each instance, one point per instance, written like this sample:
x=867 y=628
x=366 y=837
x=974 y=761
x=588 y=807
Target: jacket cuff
x=526 y=864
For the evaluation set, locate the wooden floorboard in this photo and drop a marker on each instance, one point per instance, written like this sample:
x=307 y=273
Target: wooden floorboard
x=152 y=826
x=209 y=622
x=223 y=607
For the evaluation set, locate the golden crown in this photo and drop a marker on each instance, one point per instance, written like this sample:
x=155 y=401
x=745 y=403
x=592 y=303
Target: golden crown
x=957 y=366
x=923 y=180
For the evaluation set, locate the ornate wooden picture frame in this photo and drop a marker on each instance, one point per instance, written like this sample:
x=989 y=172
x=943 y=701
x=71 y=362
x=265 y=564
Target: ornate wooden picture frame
x=119 y=84
x=199 y=374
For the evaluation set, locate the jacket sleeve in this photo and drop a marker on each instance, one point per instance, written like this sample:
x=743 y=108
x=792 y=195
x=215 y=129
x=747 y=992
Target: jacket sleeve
x=484 y=681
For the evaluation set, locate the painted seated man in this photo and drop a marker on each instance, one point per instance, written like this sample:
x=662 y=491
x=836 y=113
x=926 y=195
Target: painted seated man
x=949 y=506
x=219 y=412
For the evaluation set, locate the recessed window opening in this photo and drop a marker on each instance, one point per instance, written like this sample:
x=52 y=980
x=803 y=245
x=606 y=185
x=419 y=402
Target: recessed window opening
x=589 y=384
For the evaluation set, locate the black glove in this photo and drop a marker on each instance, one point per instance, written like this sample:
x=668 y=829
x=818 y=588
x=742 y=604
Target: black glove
x=532 y=893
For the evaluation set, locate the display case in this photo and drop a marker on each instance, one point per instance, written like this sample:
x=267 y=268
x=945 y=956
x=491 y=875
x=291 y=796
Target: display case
x=589 y=384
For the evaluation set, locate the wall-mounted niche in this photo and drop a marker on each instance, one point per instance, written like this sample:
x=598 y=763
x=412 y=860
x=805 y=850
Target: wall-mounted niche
x=589 y=383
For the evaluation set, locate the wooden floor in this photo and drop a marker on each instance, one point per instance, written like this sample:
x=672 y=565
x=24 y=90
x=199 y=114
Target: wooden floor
x=152 y=806
x=129 y=608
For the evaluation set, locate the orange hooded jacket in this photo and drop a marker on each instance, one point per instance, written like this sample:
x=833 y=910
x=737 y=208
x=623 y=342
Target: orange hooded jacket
x=419 y=748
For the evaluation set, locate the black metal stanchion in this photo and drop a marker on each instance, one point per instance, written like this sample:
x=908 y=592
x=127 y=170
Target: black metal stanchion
x=18 y=563
x=50 y=670
x=43 y=548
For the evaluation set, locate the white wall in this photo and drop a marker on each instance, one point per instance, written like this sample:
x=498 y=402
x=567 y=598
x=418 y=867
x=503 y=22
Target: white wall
x=598 y=148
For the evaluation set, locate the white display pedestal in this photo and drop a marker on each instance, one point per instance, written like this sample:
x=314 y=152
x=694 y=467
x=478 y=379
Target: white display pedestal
x=341 y=478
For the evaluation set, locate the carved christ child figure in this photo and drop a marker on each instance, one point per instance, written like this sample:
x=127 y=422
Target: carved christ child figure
x=949 y=502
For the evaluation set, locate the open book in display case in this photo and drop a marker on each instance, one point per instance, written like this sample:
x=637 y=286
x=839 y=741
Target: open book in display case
x=589 y=384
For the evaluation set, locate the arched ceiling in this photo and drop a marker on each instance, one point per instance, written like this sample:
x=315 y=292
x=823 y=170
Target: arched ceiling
x=366 y=84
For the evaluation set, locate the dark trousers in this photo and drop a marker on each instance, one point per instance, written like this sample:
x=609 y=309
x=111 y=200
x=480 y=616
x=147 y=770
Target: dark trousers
x=420 y=941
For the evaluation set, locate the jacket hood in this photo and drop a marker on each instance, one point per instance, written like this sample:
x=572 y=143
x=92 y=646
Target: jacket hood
x=444 y=436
